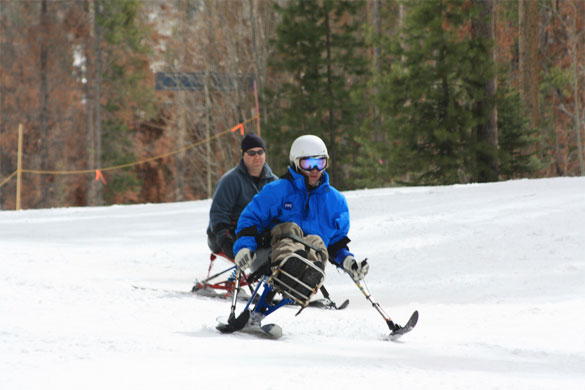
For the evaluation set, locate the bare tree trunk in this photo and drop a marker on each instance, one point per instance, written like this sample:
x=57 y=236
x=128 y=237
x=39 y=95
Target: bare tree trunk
x=487 y=132
x=255 y=50
x=528 y=58
x=97 y=79
x=90 y=146
x=577 y=114
x=210 y=54
x=233 y=50
x=91 y=190
x=180 y=156
x=44 y=109
x=3 y=48
x=181 y=102
x=208 y=134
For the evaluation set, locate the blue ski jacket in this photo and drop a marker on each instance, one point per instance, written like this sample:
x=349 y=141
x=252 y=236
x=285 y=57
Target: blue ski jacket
x=322 y=211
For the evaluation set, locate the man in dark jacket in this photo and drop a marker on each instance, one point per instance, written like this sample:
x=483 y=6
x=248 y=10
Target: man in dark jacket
x=234 y=191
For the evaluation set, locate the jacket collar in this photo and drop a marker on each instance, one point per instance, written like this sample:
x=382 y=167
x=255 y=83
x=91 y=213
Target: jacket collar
x=266 y=172
x=299 y=181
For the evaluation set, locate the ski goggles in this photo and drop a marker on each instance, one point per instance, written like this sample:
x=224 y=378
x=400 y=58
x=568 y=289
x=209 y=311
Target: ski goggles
x=310 y=163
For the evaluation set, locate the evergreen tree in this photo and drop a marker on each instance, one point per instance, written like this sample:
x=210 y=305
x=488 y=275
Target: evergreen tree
x=317 y=53
x=127 y=96
x=433 y=73
x=515 y=136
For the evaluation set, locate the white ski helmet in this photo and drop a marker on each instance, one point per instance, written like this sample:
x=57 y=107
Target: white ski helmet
x=307 y=146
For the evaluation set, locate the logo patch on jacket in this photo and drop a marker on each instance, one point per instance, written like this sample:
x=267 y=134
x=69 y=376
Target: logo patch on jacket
x=288 y=206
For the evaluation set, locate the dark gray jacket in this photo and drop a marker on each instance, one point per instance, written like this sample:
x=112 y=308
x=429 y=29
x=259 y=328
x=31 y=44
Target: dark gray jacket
x=233 y=192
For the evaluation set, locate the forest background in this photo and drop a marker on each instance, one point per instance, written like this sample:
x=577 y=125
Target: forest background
x=126 y=101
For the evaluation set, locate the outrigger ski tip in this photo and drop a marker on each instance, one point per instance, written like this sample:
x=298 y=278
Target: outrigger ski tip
x=398 y=331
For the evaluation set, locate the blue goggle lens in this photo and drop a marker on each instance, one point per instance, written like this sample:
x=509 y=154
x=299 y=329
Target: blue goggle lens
x=310 y=163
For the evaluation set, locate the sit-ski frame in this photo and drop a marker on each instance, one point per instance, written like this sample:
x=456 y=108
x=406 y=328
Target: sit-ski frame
x=227 y=285
x=274 y=283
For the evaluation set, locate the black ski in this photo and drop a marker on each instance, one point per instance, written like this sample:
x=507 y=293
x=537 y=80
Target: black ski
x=400 y=330
x=239 y=324
x=234 y=323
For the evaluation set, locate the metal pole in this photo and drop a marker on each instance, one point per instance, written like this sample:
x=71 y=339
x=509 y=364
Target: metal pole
x=19 y=167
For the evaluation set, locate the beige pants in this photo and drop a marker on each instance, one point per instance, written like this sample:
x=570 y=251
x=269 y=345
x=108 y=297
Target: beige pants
x=284 y=243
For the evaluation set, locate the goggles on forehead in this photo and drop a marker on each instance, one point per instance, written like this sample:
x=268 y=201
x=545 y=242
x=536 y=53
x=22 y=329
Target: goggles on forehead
x=310 y=163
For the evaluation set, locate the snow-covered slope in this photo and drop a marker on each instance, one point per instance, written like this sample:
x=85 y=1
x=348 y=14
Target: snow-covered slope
x=497 y=272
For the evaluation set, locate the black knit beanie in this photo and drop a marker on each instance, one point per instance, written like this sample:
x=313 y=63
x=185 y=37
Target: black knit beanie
x=252 y=141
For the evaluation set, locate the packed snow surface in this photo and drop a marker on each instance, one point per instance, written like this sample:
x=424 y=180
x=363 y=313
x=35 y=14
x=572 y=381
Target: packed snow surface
x=497 y=272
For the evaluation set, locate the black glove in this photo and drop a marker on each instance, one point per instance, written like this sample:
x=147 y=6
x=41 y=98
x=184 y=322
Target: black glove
x=226 y=240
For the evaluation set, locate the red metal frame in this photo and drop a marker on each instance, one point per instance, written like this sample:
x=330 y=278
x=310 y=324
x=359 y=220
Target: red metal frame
x=226 y=285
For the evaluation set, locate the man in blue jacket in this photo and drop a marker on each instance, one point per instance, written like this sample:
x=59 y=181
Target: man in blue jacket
x=234 y=191
x=302 y=196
